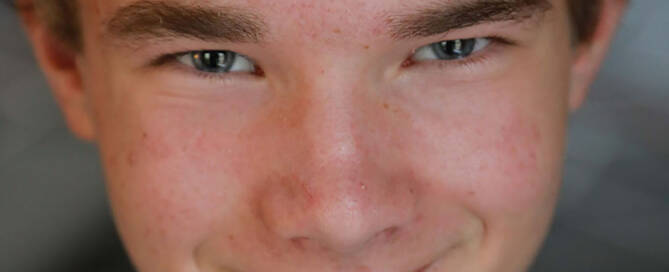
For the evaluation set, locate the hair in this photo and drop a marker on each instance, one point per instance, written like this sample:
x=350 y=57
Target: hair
x=62 y=17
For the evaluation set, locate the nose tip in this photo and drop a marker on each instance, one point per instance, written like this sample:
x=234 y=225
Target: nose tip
x=337 y=218
x=343 y=226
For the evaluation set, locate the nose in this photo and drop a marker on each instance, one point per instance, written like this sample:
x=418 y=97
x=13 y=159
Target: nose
x=339 y=191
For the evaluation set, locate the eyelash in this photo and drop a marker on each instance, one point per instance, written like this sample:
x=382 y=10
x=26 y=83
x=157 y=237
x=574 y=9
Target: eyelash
x=469 y=62
x=170 y=61
x=496 y=43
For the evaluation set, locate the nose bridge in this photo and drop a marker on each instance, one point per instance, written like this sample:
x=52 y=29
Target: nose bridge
x=330 y=94
x=335 y=166
x=332 y=124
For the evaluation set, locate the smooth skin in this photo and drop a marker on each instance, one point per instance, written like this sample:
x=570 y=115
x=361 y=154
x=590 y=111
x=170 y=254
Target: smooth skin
x=342 y=155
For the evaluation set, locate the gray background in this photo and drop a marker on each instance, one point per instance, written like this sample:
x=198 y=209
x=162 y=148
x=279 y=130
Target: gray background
x=613 y=214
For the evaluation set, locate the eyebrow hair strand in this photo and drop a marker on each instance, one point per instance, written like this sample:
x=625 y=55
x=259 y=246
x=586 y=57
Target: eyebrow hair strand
x=446 y=16
x=152 y=19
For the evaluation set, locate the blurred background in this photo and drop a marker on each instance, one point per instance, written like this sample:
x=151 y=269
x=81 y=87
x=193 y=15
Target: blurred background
x=613 y=214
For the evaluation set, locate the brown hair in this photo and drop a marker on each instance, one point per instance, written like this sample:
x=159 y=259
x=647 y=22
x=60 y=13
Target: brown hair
x=63 y=19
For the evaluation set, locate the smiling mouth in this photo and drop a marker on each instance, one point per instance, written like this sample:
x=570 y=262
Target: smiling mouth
x=424 y=268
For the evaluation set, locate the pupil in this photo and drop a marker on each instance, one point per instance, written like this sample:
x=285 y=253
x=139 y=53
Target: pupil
x=213 y=61
x=455 y=49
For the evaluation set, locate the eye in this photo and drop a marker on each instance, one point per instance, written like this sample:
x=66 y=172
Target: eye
x=214 y=61
x=451 y=49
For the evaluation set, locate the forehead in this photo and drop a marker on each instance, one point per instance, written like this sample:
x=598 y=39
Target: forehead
x=293 y=21
x=341 y=11
x=358 y=18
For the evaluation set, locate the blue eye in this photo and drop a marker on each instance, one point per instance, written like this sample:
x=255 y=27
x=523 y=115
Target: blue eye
x=451 y=49
x=215 y=61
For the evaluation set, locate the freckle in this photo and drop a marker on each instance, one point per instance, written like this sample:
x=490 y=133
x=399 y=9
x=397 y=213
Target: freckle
x=536 y=134
x=363 y=269
x=514 y=150
x=471 y=193
x=299 y=243
x=366 y=46
x=113 y=159
x=337 y=30
x=231 y=238
x=522 y=165
x=144 y=136
x=386 y=106
x=130 y=158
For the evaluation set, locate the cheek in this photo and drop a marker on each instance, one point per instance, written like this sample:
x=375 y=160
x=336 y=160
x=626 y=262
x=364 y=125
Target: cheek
x=494 y=165
x=491 y=151
x=505 y=159
x=167 y=170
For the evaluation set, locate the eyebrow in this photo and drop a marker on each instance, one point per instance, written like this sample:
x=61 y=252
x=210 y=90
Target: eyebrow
x=157 y=19
x=446 y=16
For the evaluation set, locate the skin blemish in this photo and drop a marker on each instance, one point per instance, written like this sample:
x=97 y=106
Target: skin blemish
x=419 y=218
x=337 y=31
x=392 y=108
x=307 y=192
x=363 y=269
x=299 y=243
x=155 y=146
x=131 y=158
x=407 y=63
x=366 y=46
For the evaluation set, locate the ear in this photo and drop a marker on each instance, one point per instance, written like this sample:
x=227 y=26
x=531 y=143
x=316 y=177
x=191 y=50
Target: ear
x=590 y=54
x=61 y=65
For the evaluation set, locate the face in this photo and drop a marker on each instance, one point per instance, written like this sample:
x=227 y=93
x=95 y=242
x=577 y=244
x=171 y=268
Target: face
x=328 y=136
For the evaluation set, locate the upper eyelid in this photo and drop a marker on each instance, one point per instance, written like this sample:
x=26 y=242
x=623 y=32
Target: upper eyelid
x=492 y=41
